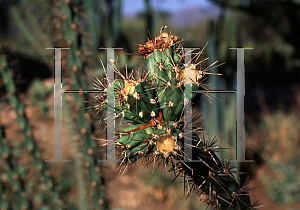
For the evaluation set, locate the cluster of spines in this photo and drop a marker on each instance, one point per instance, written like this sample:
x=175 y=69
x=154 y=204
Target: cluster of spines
x=212 y=179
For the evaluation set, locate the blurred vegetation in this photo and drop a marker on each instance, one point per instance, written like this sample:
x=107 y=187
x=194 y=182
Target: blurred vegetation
x=27 y=27
x=275 y=139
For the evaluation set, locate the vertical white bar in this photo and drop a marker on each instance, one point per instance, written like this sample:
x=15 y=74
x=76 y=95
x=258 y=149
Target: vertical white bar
x=188 y=107
x=241 y=142
x=110 y=133
x=57 y=107
x=110 y=106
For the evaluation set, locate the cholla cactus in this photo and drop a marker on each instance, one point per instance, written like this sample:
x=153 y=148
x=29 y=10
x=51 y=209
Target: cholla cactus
x=153 y=102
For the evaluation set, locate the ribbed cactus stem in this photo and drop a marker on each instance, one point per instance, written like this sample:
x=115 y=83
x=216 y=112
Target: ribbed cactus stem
x=88 y=144
x=78 y=162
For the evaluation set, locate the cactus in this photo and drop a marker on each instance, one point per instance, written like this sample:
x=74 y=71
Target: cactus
x=29 y=142
x=153 y=102
x=12 y=176
x=73 y=35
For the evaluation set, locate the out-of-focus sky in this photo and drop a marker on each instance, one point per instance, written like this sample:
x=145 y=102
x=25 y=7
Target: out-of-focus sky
x=182 y=12
x=132 y=7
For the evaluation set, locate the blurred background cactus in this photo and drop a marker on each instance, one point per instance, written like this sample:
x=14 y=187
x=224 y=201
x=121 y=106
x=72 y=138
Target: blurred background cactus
x=26 y=97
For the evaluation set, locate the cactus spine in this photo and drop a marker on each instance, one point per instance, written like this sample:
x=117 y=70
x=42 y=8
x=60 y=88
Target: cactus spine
x=154 y=102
